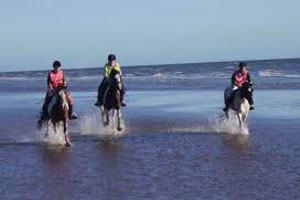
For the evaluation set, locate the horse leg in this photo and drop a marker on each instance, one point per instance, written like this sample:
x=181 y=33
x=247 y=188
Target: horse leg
x=240 y=119
x=67 y=138
x=119 y=120
x=102 y=111
x=107 y=117
x=47 y=129
x=54 y=127
x=104 y=115
x=227 y=115
x=245 y=119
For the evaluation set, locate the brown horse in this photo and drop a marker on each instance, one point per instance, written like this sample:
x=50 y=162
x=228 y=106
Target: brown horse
x=58 y=111
x=111 y=100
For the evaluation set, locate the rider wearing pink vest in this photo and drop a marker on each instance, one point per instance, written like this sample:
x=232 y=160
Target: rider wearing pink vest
x=56 y=81
x=239 y=77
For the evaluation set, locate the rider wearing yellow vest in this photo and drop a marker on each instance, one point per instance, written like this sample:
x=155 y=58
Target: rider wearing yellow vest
x=109 y=68
x=112 y=64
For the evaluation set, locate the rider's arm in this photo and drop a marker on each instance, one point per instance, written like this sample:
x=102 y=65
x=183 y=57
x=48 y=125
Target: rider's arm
x=64 y=79
x=119 y=82
x=249 y=79
x=233 y=79
x=49 y=82
x=118 y=68
x=106 y=71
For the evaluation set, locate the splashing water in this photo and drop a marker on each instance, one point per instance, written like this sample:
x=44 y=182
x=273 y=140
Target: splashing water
x=53 y=137
x=40 y=136
x=92 y=125
x=216 y=124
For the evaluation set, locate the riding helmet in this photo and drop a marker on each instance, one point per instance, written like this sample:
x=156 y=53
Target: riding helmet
x=111 y=57
x=56 y=64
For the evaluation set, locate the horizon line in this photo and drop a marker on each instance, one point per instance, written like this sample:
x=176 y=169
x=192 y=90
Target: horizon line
x=149 y=65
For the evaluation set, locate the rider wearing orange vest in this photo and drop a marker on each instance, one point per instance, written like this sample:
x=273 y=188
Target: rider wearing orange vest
x=56 y=81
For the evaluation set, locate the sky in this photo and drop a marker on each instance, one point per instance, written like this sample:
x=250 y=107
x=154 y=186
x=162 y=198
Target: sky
x=81 y=34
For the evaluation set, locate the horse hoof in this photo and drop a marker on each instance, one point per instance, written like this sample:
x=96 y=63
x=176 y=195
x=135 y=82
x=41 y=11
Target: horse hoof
x=68 y=144
x=106 y=123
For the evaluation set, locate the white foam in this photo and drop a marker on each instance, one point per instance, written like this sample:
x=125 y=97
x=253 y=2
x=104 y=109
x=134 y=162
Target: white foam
x=216 y=124
x=57 y=137
x=276 y=73
x=40 y=136
x=92 y=125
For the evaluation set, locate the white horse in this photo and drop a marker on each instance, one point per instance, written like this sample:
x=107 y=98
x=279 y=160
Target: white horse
x=239 y=104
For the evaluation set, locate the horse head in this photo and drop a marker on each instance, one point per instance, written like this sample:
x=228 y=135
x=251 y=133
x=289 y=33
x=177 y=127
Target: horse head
x=59 y=103
x=62 y=99
x=115 y=80
x=246 y=90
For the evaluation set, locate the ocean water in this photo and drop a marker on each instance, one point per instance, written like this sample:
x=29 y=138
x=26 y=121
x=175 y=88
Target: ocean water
x=175 y=145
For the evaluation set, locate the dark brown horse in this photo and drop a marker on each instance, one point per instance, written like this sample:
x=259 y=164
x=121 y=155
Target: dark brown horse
x=111 y=100
x=58 y=112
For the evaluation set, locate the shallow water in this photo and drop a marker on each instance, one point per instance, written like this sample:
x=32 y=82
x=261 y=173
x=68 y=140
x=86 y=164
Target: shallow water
x=175 y=145
x=170 y=150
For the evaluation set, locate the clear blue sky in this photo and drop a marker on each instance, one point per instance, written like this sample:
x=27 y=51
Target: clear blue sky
x=81 y=33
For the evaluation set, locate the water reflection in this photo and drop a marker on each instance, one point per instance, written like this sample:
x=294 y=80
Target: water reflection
x=238 y=142
x=110 y=152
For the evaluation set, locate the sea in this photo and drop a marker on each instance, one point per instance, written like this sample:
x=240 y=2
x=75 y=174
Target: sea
x=175 y=142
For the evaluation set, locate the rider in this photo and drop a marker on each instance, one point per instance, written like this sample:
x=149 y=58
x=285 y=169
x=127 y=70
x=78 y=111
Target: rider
x=238 y=78
x=56 y=80
x=112 y=64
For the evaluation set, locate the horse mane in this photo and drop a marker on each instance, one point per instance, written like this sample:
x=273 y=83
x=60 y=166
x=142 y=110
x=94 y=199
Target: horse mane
x=60 y=105
x=113 y=73
x=244 y=91
x=112 y=77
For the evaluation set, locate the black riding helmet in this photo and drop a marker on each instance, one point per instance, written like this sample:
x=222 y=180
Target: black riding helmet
x=111 y=57
x=56 y=64
x=242 y=64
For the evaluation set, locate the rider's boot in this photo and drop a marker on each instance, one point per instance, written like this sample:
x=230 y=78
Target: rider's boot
x=101 y=91
x=228 y=103
x=250 y=100
x=225 y=109
x=72 y=115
